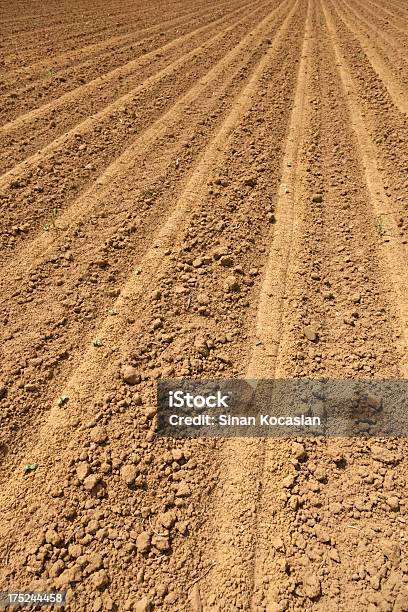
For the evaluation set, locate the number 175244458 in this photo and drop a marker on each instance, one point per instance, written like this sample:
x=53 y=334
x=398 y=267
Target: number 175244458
x=30 y=598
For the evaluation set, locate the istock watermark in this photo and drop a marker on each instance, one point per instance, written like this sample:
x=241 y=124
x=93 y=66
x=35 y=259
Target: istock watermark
x=296 y=407
x=179 y=399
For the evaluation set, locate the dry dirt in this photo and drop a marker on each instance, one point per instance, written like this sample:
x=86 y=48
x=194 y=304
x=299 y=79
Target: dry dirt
x=185 y=187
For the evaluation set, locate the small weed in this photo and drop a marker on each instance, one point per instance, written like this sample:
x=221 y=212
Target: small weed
x=53 y=220
x=386 y=225
x=97 y=342
x=113 y=312
x=380 y=226
x=63 y=400
x=30 y=467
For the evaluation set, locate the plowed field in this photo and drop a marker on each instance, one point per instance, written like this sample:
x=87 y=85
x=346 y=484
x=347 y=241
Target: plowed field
x=207 y=190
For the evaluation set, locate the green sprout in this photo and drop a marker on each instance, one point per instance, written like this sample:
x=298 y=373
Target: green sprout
x=30 y=467
x=53 y=220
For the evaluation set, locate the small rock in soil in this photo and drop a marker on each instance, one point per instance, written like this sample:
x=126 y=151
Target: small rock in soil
x=231 y=284
x=91 y=481
x=310 y=333
x=143 y=542
x=143 y=605
x=98 y=435
x=130 y=375
x=128 y=474
x=83 y=470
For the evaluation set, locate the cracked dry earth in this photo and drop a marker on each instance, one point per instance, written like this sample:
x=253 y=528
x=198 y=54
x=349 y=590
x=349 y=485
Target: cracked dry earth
x=186 y=188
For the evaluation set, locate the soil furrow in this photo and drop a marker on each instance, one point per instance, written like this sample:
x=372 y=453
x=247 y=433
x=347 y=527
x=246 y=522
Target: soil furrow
x=56 y=42
x=327 y=496
x=153 y=261
x=395 y=87
x=182 y=102
x=20 y=38
x=243 y=475
x=388 y=13
x=398 y=34
x=397 y=11
x=216 y=191
x=283 y=580
x=39 y=262
x=388 y=129
x=97 y=139
x=56 y=74
x=385 y=41
x=52 y=119
x=302 y=551
x=392 y=250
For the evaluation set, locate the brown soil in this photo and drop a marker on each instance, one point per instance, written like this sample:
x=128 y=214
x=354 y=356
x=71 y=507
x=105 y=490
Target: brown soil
x=138 y=141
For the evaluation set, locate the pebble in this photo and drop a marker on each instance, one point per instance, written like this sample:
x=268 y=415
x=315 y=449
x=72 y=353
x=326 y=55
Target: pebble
x=393 y=502
x=288 y=481
x=75 y=550
x=310 y=333
x=299 y=451
x=128 y=474
x=321 y=534
x=91 y=481
x=30 y=387
x=52 y=537
x=98 y=435
x=231 y=284
x=318 y=198
x=391 y=550
x=143 y=542
x=57 y=568
x=320 y=474
x=224 y=358
x=374 y=402
x=100 y=580
x=102 y=263
x=72 y=574
x=277 y=543
x=183 y=490
x=130 y=375
x=203 y=299
x=201 y=346
x=167 y=519
x=384 y=455
x=334 y=555
x=161 y=543
x=83 y=470
x=219 y=252
x=227 y=261
x=177 y=454
x=143 y=605
x=95 y=562
x=312 y=586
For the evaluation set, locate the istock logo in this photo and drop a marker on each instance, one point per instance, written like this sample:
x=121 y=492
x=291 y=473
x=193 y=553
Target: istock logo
x=180 y=399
